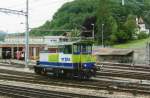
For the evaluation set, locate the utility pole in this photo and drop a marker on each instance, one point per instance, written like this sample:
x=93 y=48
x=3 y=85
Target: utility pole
x=27 y=34
x=103 y=35
x=123 y=3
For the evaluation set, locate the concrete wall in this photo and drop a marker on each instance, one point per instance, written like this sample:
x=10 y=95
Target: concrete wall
x=140 y=56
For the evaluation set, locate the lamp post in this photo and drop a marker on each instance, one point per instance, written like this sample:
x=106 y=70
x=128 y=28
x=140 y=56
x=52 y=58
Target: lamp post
x=93 y=31
x=102 y=35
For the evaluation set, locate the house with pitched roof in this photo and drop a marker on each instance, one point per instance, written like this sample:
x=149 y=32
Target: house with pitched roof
x=141 y=26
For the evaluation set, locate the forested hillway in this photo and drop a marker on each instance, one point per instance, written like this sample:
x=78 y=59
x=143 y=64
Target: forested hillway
x=119 y=21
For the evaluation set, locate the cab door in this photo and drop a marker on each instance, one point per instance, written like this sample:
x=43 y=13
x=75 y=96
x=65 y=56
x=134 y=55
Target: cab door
x=65 y=57
x=77 y=56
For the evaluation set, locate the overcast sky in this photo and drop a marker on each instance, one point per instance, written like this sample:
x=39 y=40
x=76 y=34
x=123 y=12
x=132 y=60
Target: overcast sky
x=39 y=12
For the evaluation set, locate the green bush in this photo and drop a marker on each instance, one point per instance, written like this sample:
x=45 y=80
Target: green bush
x=142 y=35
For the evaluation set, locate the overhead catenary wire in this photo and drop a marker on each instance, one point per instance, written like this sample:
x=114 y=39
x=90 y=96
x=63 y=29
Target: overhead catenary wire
x=5 y=10
x=21 y=6
x=34 y=4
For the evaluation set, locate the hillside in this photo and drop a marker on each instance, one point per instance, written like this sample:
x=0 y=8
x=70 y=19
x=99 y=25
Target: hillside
x=134 y=44
x=70 y=16
x=119 y=21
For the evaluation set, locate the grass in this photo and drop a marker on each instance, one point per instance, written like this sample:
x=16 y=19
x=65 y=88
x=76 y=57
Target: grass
x=133 y=44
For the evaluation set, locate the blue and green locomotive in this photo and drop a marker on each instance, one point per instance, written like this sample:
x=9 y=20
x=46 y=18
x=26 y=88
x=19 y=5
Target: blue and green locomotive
x=72 y=59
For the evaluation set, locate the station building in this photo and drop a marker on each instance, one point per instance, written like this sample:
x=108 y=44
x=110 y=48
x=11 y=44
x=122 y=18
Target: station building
x=15 y=45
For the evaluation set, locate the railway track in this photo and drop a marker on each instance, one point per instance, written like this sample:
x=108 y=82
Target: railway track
x=133 y=68
x=125 y=70
x=104 y=84
x=116 y=70
x=106 y=79
x=125 y=66
x=22 y=92
x=124 y=74
x=14 y=65
x=17 y=72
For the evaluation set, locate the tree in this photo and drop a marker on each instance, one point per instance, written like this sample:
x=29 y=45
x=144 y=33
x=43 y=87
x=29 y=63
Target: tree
x=130 y=26
x=119 y=37
x=104 y=16
x=119 y=21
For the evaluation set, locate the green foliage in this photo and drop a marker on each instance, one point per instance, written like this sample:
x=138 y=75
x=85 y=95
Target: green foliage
x=121 y=37
x=42 y=30
x=119 y=21
x=130 y=26
x=104 y=20
x=142 y=35
x=133 y=44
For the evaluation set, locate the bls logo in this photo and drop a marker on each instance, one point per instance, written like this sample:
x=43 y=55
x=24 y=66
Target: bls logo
x=65 y=59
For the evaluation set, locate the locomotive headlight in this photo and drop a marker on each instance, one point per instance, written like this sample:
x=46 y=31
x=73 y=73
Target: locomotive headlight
x=84 y=65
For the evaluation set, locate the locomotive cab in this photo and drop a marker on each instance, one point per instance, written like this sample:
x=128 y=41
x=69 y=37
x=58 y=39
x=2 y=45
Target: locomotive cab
x=73 y=59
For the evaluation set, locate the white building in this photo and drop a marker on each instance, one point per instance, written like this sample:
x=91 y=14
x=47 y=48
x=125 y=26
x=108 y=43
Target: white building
x=20 y=39
x=16 y=42
x=53 y=39
x=141 y=26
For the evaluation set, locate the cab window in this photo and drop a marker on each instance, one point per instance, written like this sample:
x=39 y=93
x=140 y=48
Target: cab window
x=86 y=49
x=67 y=49
x=76 y=49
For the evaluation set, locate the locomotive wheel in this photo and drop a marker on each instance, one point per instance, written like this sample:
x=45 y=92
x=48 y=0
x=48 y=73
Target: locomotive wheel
x=83 y=75
x=56 y=73
x=43 y=71
x=68 y=74
x=37 y=70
